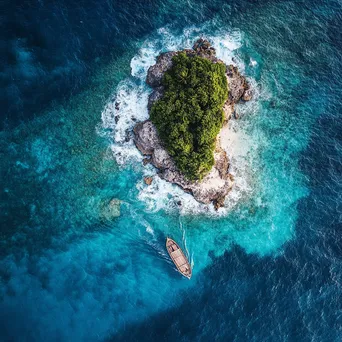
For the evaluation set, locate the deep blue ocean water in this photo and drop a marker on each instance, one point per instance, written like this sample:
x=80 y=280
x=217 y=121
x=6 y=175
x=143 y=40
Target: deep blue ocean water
x=268 y=267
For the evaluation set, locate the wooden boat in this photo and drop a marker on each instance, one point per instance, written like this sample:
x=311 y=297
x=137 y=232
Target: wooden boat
x=178 y=258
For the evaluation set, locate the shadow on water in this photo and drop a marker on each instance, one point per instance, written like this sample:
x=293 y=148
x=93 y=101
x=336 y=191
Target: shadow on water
x=295 y=296
x=241 y=290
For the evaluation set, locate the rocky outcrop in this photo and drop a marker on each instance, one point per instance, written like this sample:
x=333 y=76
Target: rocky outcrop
x=203 y=48
x=248 y=94
x=145 y=136
x=110 y=209
x=148 y=180
x=216 y=185
x=155 y=96
x=156 y=72
x=238 y=86
x=147 y=161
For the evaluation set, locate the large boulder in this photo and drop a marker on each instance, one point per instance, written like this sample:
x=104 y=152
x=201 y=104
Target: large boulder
x=155 y=96
x=247 y=95
x=237 y=84
x=156 y=72
x=148 y=180
x=203 y=48
x=145 y=137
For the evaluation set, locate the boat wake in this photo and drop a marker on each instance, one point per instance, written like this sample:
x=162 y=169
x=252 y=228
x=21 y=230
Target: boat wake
x=267 y=182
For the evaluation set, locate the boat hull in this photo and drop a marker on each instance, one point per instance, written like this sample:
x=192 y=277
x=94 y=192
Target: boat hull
x=178 y=258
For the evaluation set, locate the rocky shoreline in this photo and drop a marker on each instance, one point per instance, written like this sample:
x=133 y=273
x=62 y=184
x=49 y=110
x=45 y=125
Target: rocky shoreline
x=215 y=186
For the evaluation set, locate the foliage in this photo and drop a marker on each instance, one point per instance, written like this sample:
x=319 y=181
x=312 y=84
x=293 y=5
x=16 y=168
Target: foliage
x=189 y=115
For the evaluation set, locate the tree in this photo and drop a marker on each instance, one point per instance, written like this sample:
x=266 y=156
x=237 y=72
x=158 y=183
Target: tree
x=189 y=115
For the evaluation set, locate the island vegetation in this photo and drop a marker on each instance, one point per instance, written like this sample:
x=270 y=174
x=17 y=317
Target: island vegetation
x=189 y=115
x=189 y=104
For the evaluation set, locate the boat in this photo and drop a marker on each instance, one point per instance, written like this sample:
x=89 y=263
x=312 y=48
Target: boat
x=178 y=258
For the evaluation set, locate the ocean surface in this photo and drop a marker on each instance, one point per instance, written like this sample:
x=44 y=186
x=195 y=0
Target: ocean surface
x=76 y=265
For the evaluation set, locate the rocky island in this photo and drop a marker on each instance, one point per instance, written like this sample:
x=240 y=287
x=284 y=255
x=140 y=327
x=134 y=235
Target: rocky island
x=193 y=97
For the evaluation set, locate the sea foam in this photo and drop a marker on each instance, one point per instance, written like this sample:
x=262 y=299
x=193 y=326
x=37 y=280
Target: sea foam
x=129 y=105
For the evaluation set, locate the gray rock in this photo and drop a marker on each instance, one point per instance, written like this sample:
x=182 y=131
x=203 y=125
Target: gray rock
x=147 y=161
x=155 y=96
x=215 y=185
x=247 y=95
x=156 y=72
x=145 y=137
x=219 y=202
x=203 y=48
x=237 y=84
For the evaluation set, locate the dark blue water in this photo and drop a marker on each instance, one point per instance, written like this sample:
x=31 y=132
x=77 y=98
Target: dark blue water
x=266 y=268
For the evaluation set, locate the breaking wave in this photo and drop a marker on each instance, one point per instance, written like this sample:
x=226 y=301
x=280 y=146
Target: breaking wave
x=129 y=106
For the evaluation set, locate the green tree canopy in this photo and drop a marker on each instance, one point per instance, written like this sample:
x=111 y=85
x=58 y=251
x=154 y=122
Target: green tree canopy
x=189 y=115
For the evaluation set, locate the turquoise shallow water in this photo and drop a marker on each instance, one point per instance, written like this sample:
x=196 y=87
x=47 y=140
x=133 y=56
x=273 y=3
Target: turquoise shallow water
x=265 y=268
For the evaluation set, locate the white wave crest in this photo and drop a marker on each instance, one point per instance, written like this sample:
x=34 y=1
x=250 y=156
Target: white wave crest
x=129 y=105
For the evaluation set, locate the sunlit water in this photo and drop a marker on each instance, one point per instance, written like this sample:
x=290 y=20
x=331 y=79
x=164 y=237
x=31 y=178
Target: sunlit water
x=271 y=256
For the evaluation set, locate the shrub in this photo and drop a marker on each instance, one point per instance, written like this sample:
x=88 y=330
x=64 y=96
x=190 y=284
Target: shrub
x=189 y=115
